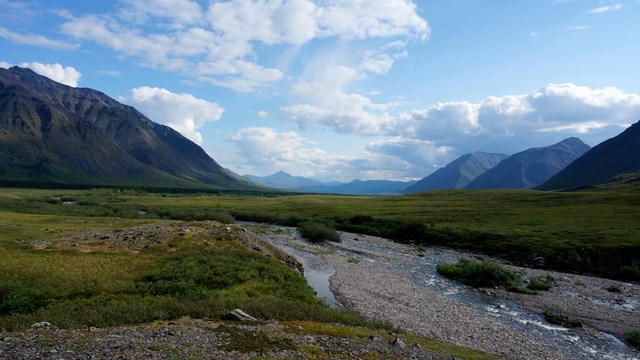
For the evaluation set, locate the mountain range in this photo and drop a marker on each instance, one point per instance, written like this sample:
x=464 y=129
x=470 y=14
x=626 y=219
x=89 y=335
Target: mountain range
x=458 y=173
x=53 y=133
x=283 y=180
x=612 y=158
x=530 y=168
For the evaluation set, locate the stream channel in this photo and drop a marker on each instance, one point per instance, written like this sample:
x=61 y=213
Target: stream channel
x=420 y=268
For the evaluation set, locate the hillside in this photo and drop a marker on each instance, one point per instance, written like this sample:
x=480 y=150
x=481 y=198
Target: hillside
x=50 y=132
x=532 y=167
x=606 y=161
x=458 y=173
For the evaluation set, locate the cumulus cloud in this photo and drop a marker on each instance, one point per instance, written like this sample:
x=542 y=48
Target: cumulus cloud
x=220 y=43
x=511 y=123
x=263 y=114
x=328 y=103
x=426 y=137
x=63 y=74
x=36 y=40
x=182 y=112
x=5 y=65
x=260 y=150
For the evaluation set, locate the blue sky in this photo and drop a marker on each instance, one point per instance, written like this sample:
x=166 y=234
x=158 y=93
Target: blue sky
x=370 y=89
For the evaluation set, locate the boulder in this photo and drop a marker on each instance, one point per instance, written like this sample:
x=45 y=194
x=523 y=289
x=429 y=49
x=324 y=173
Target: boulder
x=237 y=315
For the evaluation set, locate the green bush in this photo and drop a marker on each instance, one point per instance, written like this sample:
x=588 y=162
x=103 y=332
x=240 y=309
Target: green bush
x=543 y=283
x=633 y=338
x=558 y=319
x=316 y=232
x=481 y=274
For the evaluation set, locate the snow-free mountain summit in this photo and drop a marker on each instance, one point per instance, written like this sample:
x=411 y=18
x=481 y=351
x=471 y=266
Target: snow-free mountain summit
x=53 y=133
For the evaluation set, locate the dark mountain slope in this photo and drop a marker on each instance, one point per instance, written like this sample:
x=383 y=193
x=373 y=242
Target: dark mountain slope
x=604 y=162
x=531 y=167
x=458 y=173
x=53 y=132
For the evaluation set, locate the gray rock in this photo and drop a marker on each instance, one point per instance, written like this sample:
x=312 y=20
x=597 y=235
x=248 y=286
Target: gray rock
x=399 y=343
x=237 y=315
x=538 y=262
x=42 y=326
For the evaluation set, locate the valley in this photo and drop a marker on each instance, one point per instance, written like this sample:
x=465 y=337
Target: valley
x=115 y=255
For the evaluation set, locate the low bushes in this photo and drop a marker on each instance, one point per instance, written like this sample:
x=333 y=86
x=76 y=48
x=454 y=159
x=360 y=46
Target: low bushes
x=491 y=274
x=316 y=232
x=633 y=338
x=481 y=274
x=558 y=319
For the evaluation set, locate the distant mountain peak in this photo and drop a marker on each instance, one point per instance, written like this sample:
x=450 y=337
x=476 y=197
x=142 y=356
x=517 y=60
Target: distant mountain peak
x=458 y=173
x=531 y=167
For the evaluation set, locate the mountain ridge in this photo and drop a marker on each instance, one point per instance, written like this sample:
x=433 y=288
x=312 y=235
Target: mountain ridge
x=612 y=158
x=54 y=132
x=530 y=168
x=458 y=173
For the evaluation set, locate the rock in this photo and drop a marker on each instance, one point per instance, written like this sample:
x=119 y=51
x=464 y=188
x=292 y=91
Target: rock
x=42 y=326
x=237 y=315
x=399 y=343
x=538 y=262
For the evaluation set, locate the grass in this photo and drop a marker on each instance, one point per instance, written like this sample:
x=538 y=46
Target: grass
x=633 y=338
x=614 y=289
x=188 y=276
x=591 y=231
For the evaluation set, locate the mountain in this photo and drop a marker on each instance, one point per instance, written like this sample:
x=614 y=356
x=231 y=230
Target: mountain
x=360 y=187
x=604 y=162
x=50 y=132
x=531 y=167
x=283 y=180
x=458 y=173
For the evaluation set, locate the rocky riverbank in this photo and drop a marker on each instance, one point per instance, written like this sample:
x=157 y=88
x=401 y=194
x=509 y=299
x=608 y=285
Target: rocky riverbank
x=378 y=278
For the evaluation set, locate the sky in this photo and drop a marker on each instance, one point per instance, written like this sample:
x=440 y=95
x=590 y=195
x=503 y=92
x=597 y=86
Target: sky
x=342 y=90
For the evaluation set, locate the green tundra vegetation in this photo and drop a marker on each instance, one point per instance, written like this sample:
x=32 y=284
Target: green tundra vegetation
x=592 y=231
x=61 y=264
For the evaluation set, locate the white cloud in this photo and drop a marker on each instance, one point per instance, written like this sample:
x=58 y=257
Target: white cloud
x=263 y=114
x=65 y=75
x=578 y=27
x=328 y=103
x=182 y=112
x=36 y=40
x=607 y=8
x=221 y=43
x=260 y=150
x=5 y=65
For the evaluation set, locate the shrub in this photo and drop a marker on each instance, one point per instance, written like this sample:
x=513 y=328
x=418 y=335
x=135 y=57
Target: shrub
x=614 y=289
x=481 y=274
x=316 y=232
x=558 y=319
x=543 y=283
x=633 y=338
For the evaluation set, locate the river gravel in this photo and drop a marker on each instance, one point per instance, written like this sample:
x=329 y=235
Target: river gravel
x=383 y=280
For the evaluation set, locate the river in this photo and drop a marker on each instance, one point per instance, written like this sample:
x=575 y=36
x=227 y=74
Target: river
x=419 y=266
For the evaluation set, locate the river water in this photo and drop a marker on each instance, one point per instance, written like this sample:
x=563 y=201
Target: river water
x=420 y=268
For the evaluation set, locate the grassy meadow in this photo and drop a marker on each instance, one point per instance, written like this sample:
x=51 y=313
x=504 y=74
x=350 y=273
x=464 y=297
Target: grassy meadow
x=177 y=257
x=595 y=231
